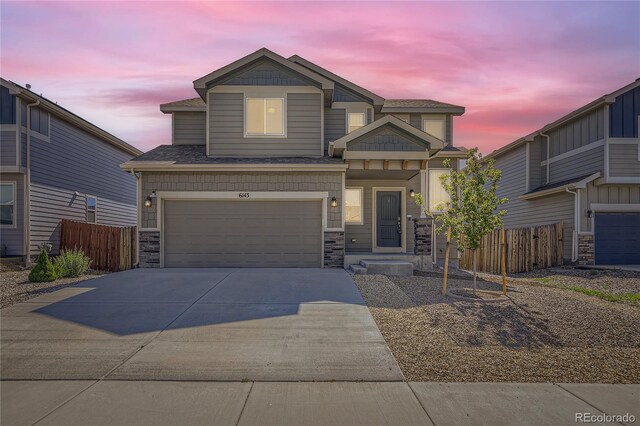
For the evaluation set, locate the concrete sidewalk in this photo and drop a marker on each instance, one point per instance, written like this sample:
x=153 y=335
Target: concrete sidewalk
x=309 y=403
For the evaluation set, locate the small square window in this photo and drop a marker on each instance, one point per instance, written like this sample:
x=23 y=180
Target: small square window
x=8 y=204
x=435 y=127
x=353 y=206
x=92 y=206
x=356 y=120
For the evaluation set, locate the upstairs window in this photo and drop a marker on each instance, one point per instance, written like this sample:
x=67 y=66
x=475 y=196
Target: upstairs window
x=7 y=106
x=434 y=126
x=264 y=117
x=355 y=121
x=438 y=196
x=353 y=206
x=92 y=205
x=8 y=204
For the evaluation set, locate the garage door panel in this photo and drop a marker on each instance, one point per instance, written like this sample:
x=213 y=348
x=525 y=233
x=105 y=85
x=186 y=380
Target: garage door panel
x=617 y=238
x=242 y=233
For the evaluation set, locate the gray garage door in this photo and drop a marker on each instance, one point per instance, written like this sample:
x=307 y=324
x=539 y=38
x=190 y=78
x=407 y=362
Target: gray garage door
x=242 y=233
x=617 y=238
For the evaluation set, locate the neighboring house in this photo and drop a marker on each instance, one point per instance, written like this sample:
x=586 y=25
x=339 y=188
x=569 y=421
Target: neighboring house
x=279 y=162
x=54 y=165
x=582 y=170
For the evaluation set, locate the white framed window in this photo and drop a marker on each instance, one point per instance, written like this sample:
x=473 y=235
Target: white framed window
x=264 y=117
x=355 y=120
x=92 y=208
x=353 y=203
x=438 y=197
x=434 y=126
x=8 y=204
x=404 y=117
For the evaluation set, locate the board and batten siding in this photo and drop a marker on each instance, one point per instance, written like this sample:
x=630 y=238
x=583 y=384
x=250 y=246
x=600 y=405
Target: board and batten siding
x=581 y=164
x=605 y=194
x=624 y=160
x=13 y=237
x=189 y=128
x=330 y=182
x=74 y=161
x=581 y=131
x=7 y=147
x=526 y=213
x=226 y=128
x=334 y=125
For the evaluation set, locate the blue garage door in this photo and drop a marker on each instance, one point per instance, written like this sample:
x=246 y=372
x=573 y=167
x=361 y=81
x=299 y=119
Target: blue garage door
x=617 y=238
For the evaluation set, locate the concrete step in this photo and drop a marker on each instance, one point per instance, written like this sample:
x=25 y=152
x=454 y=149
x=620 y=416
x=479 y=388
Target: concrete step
x=358 y=270
x=388 y=267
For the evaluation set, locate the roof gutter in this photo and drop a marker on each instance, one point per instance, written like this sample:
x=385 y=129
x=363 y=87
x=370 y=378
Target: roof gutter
x=581 y=184
x=141 y=166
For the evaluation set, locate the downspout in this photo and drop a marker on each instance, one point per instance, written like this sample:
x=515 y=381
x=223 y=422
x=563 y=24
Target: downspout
x=576 y=224
x=548 y=154
x=27 y=195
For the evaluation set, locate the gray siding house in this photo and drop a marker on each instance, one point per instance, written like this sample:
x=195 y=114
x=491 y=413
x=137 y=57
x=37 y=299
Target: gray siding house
x=55 y=165
x=281 y=163
x=582 y=170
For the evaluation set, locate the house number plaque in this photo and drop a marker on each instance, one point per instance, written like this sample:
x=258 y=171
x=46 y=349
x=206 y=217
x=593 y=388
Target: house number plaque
x=243 y=195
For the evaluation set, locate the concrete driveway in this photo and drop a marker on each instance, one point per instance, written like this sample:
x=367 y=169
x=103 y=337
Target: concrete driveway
x=198 y=324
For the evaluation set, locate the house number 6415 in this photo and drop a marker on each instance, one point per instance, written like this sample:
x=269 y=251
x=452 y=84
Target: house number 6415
x=243 y=195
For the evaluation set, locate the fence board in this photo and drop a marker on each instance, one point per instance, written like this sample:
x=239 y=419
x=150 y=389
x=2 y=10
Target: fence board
x=526 y=249
x=110 y=248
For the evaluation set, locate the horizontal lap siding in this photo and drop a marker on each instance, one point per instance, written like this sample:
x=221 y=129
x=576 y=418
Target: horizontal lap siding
x=577 y=165
x=226 y=127
x=189 y=128
x=8 y=147
x=606 y=194
x=624 y=160
x=13 y=238
x=76 y=161
x=542 y=211
x=334 y=125
x=363 y=234
x=243 y=182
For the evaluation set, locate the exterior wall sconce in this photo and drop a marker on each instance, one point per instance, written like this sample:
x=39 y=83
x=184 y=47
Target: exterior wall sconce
x=334 y=202
x=589 y=213
x=412 y=193
x=148 y=202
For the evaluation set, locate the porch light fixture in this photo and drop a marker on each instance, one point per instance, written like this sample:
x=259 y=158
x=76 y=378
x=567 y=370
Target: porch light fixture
x=412 y=193
x=589 y=213
x=334 y=202
x=148 y=202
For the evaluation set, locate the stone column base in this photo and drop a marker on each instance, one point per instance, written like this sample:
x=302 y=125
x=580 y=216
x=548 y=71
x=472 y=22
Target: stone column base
x=586 y=250
x=149 y=249
x=334 y=249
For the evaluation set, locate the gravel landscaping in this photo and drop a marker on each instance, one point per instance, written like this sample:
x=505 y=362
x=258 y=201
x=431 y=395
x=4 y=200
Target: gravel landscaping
x=15 y=286
x=543 y=333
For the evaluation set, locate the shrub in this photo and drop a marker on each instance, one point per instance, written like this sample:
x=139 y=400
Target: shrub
x=71 y=263
x=43 y=271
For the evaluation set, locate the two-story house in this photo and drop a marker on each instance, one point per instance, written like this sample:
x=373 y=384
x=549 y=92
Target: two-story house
x=582 y=170
x=281 y=163
x=55 y=165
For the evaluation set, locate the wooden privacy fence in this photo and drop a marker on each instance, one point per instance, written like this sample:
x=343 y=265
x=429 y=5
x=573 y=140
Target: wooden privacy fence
x=110 y=248
x=526 y=249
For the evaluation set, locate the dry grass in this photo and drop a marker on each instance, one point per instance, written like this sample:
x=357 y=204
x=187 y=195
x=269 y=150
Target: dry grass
x=542 y=334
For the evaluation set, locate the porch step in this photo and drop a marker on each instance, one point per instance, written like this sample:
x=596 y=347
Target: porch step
x=358 y=269
x=384 y=267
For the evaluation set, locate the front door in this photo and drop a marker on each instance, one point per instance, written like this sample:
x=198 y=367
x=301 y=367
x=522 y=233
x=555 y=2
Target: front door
x=388 y=219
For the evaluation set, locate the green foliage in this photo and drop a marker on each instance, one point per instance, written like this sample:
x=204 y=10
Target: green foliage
x=44 y=270
x=473 y=209
x=71 y=263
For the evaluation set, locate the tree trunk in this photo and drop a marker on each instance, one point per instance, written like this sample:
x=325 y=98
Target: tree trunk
x=474 y=272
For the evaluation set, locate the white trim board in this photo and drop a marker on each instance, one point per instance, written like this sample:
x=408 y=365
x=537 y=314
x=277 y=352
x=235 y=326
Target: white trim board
x=601 y=207
x=573 y=152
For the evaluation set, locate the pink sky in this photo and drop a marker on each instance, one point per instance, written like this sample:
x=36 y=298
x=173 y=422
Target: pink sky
x=514 y=66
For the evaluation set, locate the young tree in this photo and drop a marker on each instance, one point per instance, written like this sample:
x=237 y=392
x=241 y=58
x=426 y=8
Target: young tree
x=473 y=211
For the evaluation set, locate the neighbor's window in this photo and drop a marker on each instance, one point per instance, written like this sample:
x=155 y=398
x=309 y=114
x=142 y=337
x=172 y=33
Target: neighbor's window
x=356 y=120
x=264 y=117
x=438 y=197
x=92 y=204
x=353 y=206
x=435 y=127
x=7 y=106
x=40 y=121
x=7 y=204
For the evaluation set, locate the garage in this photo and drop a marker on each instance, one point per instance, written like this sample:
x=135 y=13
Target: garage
x=617 y=238
x=230 y=233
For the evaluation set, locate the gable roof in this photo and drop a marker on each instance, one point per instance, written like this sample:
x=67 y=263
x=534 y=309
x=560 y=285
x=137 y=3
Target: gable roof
x=375 y=99
x=191 y=104
x=200 y=85
x=601 y=101
x=340 y=144
x=69 y=116
x=421 y=105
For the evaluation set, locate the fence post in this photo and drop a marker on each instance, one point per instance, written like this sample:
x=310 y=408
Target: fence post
x=503 y=265
x=446 y=262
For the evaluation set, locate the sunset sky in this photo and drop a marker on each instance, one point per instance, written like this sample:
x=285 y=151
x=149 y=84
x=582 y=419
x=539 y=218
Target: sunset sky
x=515 y=66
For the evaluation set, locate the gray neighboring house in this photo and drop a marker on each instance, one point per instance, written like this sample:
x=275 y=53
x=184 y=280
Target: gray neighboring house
x=56 y=166
x=280 y=163
x=583 y=170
